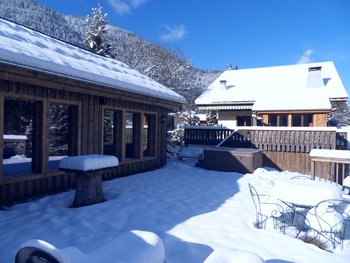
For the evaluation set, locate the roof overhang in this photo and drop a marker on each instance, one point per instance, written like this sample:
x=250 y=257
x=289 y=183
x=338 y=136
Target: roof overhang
x=226 y=107
x=338 y=99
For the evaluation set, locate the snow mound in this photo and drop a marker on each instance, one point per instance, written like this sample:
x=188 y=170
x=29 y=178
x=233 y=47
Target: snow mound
x=233 y=255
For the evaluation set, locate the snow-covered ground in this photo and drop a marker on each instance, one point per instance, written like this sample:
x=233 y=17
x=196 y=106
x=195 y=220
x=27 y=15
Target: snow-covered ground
x=194 y=211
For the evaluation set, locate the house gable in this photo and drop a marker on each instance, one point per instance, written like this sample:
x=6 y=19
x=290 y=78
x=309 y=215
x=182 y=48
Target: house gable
x=277 y=88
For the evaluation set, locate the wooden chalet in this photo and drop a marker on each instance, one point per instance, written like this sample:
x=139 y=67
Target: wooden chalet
x=59 y=100
x=291 y=96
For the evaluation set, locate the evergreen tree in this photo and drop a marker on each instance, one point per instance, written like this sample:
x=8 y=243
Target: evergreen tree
x=211 y=118
x=94 y=38
x=340 y=115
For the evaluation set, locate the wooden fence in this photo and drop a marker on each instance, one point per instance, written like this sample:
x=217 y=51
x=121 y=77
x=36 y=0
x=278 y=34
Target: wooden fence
x=283 y=148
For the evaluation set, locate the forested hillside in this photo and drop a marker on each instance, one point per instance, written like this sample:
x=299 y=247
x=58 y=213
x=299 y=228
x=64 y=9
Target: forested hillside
x=167 y=67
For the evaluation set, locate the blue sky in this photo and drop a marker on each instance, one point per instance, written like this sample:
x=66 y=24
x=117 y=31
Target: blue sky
x=247 y=33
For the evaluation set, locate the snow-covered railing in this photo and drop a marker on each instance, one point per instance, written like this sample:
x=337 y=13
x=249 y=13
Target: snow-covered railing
x=340 y=160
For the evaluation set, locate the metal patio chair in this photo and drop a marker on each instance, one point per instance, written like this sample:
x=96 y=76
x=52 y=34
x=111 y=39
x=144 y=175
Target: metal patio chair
x=268 y=209
x=328 y=221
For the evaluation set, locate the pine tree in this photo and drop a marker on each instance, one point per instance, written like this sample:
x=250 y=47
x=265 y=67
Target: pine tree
x=94 y=38
x=211 y=118
x=340 y=115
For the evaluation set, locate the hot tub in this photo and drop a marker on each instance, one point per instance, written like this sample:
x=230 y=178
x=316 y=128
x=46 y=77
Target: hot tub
x=241 y=160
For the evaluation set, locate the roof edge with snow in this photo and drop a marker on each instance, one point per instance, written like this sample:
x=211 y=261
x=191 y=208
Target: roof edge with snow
x=26 y=48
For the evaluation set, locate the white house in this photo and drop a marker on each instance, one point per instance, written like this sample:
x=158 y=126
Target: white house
x=294 y=95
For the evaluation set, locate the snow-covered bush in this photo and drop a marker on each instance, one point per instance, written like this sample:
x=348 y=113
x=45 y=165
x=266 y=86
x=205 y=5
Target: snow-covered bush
x=177 y=135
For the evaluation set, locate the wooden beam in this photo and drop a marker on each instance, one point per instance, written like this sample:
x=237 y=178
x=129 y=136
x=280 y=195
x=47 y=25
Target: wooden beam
x=1 y=135
x=151 y=133
x=40 y=149
x=137 y=130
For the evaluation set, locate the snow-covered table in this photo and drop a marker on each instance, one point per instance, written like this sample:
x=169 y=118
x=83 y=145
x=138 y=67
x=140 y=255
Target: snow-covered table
x=301 y=195
x=88 y=176
x=305 y=193
x=330 y=156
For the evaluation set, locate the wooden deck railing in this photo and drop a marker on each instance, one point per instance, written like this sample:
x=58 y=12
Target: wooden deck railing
x=268 y=138
x=206 y=136
x=283 y=148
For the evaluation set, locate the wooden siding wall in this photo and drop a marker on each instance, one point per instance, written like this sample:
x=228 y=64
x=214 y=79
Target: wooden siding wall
x=320 y=119
x=22 y=187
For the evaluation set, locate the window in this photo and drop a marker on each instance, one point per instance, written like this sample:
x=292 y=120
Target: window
x=296 y=120
x=283 y=120
x=244 y=121
x=62 y=133
x=308 y=120
x=112 y=133
x=18 y=137
x=272 y=120
x=133 y=140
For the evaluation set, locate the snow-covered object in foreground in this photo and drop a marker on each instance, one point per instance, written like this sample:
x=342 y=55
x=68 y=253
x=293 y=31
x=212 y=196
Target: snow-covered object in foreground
x=232 y=256
x=31 y=247
x=26 y=48
x=130 y=247
x=88 y=162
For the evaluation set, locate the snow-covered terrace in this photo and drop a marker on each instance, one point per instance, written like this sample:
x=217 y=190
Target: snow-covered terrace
x=195 y=212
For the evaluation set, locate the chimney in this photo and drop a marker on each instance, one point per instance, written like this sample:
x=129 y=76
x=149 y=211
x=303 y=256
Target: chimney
x=315 y=79
x=223 y=83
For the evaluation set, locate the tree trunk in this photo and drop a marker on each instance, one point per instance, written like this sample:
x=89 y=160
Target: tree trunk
x=89 y=189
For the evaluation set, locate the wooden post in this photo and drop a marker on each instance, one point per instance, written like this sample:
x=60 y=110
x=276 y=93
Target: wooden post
x=119 y=134
x=1 y=135
x=137 y=134
x=152 y=132
x=313 y=166
x=40 y=140
x=73 y=113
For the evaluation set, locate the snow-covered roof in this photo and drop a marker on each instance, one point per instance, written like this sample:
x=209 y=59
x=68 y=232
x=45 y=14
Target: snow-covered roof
x=277 y=88
x=27 y=48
